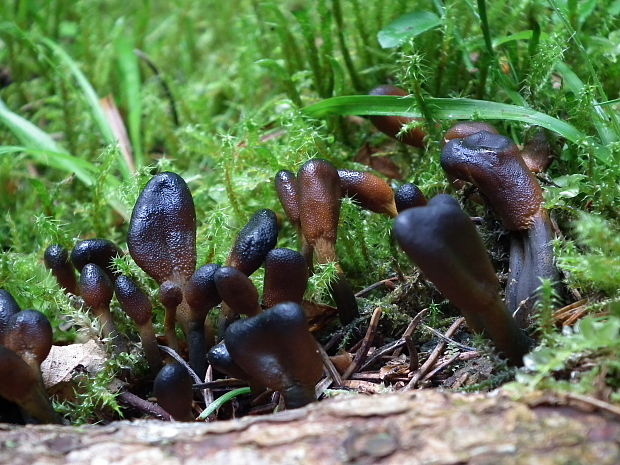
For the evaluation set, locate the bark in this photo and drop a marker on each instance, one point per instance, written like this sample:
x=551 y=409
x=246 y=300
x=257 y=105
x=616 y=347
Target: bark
x=417 y=427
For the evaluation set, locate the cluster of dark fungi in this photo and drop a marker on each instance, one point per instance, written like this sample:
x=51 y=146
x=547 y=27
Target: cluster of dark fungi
x=265 y=342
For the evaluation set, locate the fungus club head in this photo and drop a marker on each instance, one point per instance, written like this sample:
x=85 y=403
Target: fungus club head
x=162 y=229
x=276 y=350
x=493 y=164
x=254 y=241
x=98 y=251
x=134 y=302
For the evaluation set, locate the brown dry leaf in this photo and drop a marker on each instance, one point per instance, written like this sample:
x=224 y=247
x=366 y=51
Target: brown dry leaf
x=65 y=363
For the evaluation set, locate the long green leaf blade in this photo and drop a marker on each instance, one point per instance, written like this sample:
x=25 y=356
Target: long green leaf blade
x=132 y=91
x=443 y=108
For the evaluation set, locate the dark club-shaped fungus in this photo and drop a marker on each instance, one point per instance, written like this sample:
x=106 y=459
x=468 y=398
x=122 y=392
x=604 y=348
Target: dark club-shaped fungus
x=443 y=242
x=254 y=241
x=392 y=125
x=286 y=277
x=162 y=241
x=8 y=308
x=220 y=359
x=20 y=384
x=408 y=196
x=276 y=350
x=372 y=192
x=319 y=210
x=136 y=304
x=173 y=389
x=101 y=252
x=29 y=334
x=237 y=292
x=463 y=129
x=201 y=295
x=537 y=153
x=493 y=164
x=56 y=259
x=287 y=189
x=97 y=290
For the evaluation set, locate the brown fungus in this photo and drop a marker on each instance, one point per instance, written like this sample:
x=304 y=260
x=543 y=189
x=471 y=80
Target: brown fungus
x=392 y=125
x=463 y=129
x=101 y=252
x=220 y=359
x=201 y=295
x=537 y=153
x=372 y=192
x=276 y=350
x=319 y=206
x=97 y=290
x=8 y=308
x=493 y=164
x=287 y=189
x=173 y=389
x=237 y=292
x=136 y=304
x=254 y=241
x=162 y=241
x=56 y=259
x=286 y=277
x=408 y=196
x=29 y=334
x=443 y=242
x=20 y=384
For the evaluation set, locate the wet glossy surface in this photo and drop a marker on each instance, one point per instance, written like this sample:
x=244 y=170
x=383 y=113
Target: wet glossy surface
x=162 y=229
x=492 y=163
x=254 y=241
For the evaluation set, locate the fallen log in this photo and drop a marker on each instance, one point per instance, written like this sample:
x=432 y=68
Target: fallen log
x=416 y=427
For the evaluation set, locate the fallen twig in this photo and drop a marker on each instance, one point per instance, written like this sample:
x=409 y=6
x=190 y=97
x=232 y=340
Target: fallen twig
x=430 y=361
x=144 y=406
x=363 y=350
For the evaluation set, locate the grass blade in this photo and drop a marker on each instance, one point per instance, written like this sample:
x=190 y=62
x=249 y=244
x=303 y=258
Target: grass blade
x=58 y=160
x=91 y=98
x=443 y=108
x=217 y=403
x=132 y=92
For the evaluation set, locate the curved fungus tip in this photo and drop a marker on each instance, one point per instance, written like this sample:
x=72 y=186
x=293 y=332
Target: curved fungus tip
x=391 y=125
x=29 y=334
x=463 y=129
x=8 y=308
x=134 y=302
x=220 y=359
x=101 y=252
x=286 y=188
x=286 y=277
x=237 y=291
x=162 y=230
x=173 y=389
x=56 y=259
x=408 y=196
x=372 y=192
x=319 y=202
x=22 y=385
x=254 y=241
x=95 y=287
x=493 y=164
x=280 y=336
x=537 y=153
x=443 y=242
x=201 y=292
